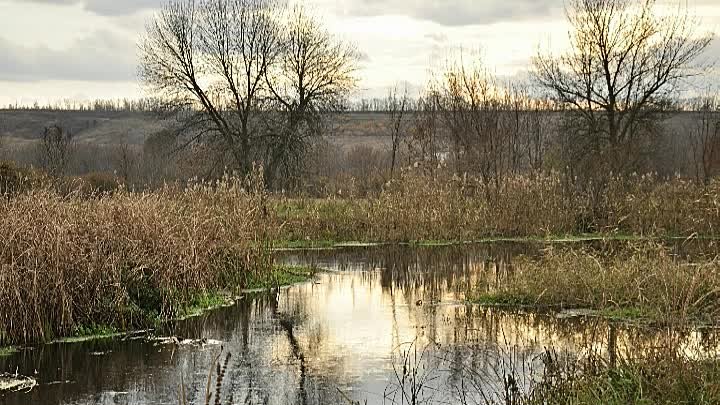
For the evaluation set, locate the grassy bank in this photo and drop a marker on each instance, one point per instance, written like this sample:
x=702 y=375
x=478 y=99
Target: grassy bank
x=640 y=282
x=7 y=350
x=278 y=276
x=281 y=276
x=415 y=207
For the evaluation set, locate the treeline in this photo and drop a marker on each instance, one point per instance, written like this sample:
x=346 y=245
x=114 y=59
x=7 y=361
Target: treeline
x=509 y=140
x=361 y=105
x=589 y=113
x=614 y=95
x=97 y=105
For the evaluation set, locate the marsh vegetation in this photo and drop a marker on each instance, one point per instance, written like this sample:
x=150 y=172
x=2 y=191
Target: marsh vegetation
x=553 y=242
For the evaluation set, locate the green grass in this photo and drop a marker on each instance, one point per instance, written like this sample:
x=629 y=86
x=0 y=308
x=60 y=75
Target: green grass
x=303 y=244
x=628 y=314
x=281 y=276
x=659 y=379
x=93 y=330
x=499 y=300
x=205 y=302
x=8 y=351
x=84 y=333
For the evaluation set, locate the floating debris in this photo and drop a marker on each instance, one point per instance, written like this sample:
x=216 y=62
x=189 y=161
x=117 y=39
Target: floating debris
x=173 y=340
x=100 y=353
x=575 y=313
x=15 y=383
x=59 y=382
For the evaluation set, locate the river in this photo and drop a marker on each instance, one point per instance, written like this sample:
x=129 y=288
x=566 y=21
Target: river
x=381 y=324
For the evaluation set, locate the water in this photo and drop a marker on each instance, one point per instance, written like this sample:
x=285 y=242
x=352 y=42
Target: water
x=345 y=335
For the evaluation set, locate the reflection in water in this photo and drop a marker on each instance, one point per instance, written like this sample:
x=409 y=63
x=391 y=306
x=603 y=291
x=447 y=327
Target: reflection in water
x=357 y=329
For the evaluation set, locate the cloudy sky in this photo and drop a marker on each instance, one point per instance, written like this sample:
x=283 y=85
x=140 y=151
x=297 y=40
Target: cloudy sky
x=82 y=49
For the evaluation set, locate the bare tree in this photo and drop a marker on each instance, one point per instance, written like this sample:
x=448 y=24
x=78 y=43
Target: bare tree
x=56 y=149
x=624 y=64
x=397 y=121
x=2 y=141
x=158 y=160
x=248 y=74
x=705 y=139
x=210 y=57
x=313 y=77
x=472 y=109
x=126 y=159
x=427 y=144
x=524 y=127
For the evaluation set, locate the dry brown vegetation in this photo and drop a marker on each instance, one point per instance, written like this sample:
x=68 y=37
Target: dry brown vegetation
x=446 y=207
x=660 y=377
x=72 y=261
x=75 y=256
x=644 y=280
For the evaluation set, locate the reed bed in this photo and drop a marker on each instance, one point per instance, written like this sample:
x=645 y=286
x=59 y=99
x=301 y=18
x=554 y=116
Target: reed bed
x=637 y=281
x=73 y=258
x=657 y=378
x=121 y=259
x=420 y=207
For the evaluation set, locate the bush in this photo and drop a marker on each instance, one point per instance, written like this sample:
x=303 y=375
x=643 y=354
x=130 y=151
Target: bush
x=10 y=179
x=15 y=180
x=100 y=183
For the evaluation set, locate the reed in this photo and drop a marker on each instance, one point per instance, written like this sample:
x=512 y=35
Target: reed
x=122 y=259
x=657 y=378
x=637 y=280
x=418 y=207
x=73 y=256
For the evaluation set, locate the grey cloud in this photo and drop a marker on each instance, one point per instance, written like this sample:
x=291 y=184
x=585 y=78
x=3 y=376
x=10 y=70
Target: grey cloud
x=109 y=7
x=364 y=57
x=445 y=12
x=458 y=12
x=437 y=38
x=102 y=57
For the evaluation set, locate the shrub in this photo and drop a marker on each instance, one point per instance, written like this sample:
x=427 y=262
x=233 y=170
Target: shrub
x=10 y=179
x=100 y=183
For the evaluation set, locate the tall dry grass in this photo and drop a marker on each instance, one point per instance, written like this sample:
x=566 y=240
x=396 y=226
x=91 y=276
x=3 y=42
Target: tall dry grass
x=117 y=259
x=445 y=207
x=644 y=280
x=661 y=376
x=72 y=257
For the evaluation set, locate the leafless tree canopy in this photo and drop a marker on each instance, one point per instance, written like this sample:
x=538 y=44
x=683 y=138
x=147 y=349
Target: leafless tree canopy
x=495 y=129
x=252 y=77
x=427 y=136
x=625 y=61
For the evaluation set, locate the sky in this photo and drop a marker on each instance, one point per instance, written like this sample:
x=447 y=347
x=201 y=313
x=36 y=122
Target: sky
x=84 y=49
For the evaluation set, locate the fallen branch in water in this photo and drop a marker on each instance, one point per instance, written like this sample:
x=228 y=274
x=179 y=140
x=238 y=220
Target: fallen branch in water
x=16 y=383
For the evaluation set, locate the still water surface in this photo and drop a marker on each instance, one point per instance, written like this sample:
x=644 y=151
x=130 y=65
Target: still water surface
x=347 y=334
